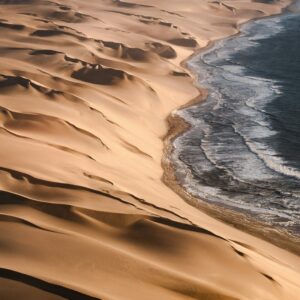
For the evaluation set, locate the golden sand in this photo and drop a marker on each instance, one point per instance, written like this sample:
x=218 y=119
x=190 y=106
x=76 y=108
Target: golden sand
x=86 y=88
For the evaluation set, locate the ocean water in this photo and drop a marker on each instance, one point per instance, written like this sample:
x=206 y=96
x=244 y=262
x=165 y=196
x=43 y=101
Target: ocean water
x=243 y=148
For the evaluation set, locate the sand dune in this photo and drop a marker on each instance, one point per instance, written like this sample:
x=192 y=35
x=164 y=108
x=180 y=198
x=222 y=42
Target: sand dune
x=85 y=91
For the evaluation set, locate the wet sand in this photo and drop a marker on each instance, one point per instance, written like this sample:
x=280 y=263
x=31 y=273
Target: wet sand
x=85 y=92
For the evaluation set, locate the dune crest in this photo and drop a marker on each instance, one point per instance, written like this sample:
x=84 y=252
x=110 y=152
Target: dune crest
x=85 y=91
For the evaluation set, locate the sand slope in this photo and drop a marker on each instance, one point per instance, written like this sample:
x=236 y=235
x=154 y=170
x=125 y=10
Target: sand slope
x=85 y=90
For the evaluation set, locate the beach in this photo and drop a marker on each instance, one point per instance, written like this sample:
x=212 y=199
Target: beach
x=88 y=95
x=251 y=81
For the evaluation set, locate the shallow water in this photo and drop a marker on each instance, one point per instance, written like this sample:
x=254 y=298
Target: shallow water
x=243 y=150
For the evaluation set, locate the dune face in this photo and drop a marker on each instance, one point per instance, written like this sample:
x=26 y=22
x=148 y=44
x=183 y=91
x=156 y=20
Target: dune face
x=85 y=91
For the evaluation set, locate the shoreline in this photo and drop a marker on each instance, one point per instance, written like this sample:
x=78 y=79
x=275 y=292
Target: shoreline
x=86 y=91
x=178 y=126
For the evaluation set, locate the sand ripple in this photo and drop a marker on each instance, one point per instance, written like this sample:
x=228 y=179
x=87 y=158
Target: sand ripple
x=85 y=89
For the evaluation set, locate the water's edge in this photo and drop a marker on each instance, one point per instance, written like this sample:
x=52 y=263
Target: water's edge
x=177 y=127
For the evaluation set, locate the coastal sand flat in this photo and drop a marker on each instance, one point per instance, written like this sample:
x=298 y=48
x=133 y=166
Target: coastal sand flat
x=85 y=91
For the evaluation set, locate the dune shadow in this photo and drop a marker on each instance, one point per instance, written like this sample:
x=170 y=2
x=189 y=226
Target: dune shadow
x=44 y=285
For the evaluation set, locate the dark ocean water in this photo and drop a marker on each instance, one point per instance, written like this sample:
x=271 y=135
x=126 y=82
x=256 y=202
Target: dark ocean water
x=243 y=150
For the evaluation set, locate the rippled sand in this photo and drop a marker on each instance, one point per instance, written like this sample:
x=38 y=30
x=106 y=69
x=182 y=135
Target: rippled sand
x=85 y=90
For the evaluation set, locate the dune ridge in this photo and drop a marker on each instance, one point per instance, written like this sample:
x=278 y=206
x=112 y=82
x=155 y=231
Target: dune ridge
x=85 y=91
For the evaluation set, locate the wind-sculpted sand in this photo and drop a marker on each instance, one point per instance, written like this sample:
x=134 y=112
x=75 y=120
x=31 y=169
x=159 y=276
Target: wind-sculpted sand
x=85 y=91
